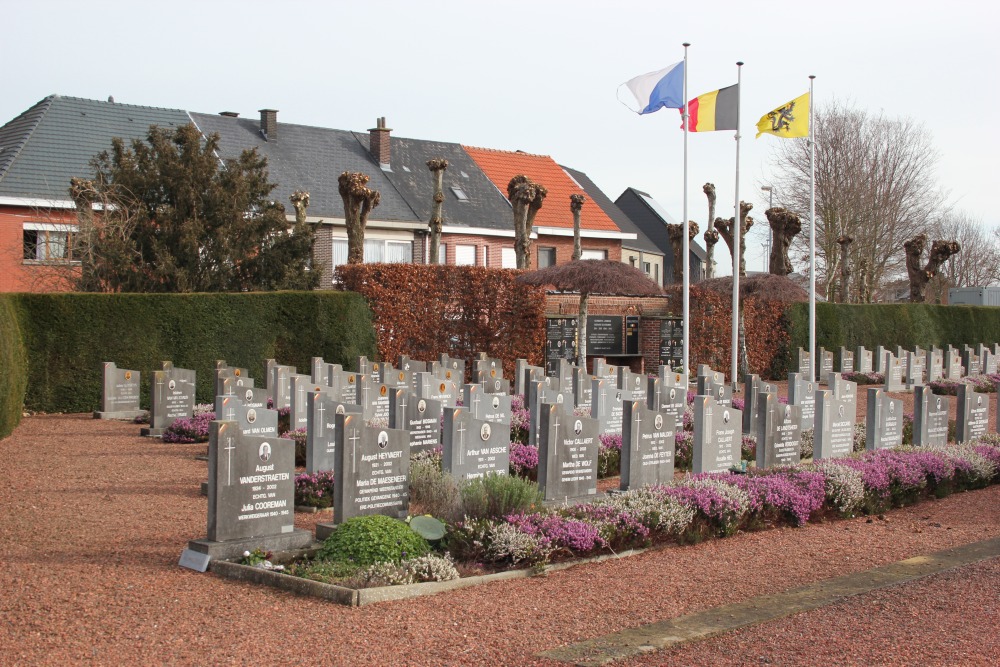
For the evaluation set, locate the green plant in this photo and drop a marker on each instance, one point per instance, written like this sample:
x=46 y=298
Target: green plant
x=413 y=571
x=14 y=362
x=433 y=491
x=428 y=527
x=366 y=540
x=327 y=572
x=496 y=496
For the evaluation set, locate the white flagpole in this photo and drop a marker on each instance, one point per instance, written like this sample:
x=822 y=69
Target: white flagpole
x=685 y=244
x=737 y=228
x=812 y=237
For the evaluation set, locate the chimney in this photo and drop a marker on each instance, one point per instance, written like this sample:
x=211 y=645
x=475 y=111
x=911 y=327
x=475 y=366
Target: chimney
x=269 y=124
x=379 y=143
x=230 y=114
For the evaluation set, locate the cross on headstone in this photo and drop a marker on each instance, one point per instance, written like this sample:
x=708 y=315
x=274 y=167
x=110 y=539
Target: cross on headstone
x=461 y=441
x=229 y=462
x=354 y=444
x=321 y=410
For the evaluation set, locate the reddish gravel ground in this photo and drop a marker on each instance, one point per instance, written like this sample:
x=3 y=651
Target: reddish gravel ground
x=95 y=519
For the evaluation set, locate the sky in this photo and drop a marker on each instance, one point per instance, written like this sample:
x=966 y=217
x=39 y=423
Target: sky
x=542 y=77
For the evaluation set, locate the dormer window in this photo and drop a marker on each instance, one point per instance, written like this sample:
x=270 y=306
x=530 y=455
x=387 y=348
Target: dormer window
x=459 y=193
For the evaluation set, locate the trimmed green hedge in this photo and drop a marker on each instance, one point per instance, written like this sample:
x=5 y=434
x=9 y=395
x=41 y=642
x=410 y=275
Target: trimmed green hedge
x=68 y=336
x=892 y=324
x=13 y=366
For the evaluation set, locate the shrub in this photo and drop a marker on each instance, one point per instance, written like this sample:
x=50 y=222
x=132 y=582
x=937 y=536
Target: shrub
x=683 y=450
x=194 y=429
x=723 y=506
x=559 y=532
x=844 y=486
x=495 y=496
x=524 y=460
x=366 y=540
x=411 y=571
x=315 y=490
x=497 y=542
x=609 y=455
x=520 y=420
x=433 y=491
x=299 y=436
x=807 y=443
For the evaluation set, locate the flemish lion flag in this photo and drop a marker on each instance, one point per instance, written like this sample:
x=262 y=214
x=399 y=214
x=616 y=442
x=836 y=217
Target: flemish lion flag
x=788 y=120
x=712 y=111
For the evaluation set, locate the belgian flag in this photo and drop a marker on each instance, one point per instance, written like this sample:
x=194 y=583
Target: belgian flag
x=713 y=111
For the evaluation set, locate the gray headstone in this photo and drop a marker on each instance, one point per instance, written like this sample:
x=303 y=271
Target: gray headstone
x=172 y=397
x=281 y=385
x=714 y=385
x=952 y=364
x=432 y=386
x=972 y=363
x=321 y=432
x=930 y=418
x=863 y=360
x=893 y=369
x=583 y=388
x=634 y=383
x=717 y=436
x=269 y=364
x=411 y=365
x=567 y=455
x=879 y=359
x=935 y=365
x=914 y=363
x=487 y=367
x=420 y=417
x=990 y=362
x=474 y=448
x=604 y=371
x=607 y=406
x=344 y=385
x=318 y=370
x=452 y=368
x=779 y=433
x=846 y=361
x=825 y=364
x=752 y=388
x=372 y=475
x=973 y=414
x=647 y=446
x=252 y=416
x=835 y=419
x=802 y=393
x=803 y=362
x=669 y=399
x=524 y=373
x=120 y=399
x=232 y=380
x=884 y=421
x=374 y=398
x=489 y=407
x=362 y=365
x=300 y=386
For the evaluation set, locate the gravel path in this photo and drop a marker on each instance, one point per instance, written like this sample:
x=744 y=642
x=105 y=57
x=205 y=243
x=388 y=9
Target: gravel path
x=95 y=519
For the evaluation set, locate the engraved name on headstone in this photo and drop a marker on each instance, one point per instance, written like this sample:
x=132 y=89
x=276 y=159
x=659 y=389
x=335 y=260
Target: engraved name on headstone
x=648 y=443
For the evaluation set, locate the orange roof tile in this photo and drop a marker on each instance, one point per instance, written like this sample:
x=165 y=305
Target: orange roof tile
x=501 y=166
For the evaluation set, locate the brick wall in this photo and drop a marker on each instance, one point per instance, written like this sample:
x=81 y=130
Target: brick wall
x=491 y=246
x=17 y=275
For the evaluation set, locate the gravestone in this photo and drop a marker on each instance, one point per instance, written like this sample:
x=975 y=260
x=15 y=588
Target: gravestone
x=863 y=360
x=318 y=370
x=172 y=394
x=608 y=406
x=671 y=378
x=846 y=361
x=989 y=361
x=802 y=393
x=489 y=407
x=935 y=365
x=972 y=362
x=563 y=376
x=952 y=364
x=251 y=495
x=344 y=386
x=281 y=386
x=914 y=376
x=400 y=379
x=880 y=354
x=930 y=418
x=669 y=399
x=604 y=371
x=230 y=379
x=835 y=418
x=884 y=421
x=321 y=430
x=583 y=388
x=374 y=398
x=752 y=388
x=717 y=436
x=474 y=448
x=567 y=455
x=420 y=417
x=372 y=475
x=648 y=442
x=362 y=365
x=269 y=365
x=844 y=389
x=538 y=394
x=411 y=365
x=973 y=414
x=120 y=399
x=803 y=362
x=433 y=387
x=893 y=369
x=825 y=366
x=779 y=433
x=486 y=368
x=714 y=385
x=298 y=415
x=249 y=410
x=634 y=383
x=523 y=373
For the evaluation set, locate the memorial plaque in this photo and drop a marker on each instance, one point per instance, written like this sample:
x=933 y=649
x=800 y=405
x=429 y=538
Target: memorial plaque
x=604 y=335
x=120 y=399
x=420 y=417
x=372 y=475
x=973 y=414
x=647 y=446
x=884 y=421
x=474 y=448
x=632 y=335
x=802 y=393
x=717 y=436
x=321 y=430
x=930 y=418
x=172 y=397
x=567 y=455
x=834 y=432
x=560 y=342
x=779 y=433
x=672 y=342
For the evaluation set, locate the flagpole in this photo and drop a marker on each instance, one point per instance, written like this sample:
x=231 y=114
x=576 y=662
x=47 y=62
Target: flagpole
x=812 y=237
x=737 y=228
x=685 y=243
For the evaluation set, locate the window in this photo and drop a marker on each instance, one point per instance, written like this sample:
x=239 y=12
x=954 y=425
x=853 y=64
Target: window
x=376 y=251
x=546 y=257
x=631 y=260
x=656 y=273
x=594 y=254
x=459 y=193
x=465 y=255
x=48 y=242
x=443 y=253
x=508 y=258
x=646 y=268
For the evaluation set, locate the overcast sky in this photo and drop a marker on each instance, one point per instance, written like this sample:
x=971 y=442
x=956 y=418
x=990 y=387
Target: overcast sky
x=540 y=76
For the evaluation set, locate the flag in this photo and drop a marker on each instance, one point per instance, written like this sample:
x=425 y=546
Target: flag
x=788 y=120
x=716 y=110
x=664 y=88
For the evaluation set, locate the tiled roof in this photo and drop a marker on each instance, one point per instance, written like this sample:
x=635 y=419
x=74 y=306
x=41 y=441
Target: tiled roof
x=594 y=195
x=56 y=139
x=501 y=166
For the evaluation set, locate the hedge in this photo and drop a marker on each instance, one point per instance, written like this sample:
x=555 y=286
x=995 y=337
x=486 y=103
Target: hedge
x=13 y=366
x=68 y=336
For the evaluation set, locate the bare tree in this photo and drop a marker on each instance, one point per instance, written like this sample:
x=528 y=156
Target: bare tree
x=784 y=226
x=525 y=198
x=875 y=182
x=711 y=234
x=576 y=205
x=675 y=233
x=725 y=228
x=845 y=242
x=979 y=265
x=359 y=200
x=920 y=276
x=300 y=202
x=437 y=167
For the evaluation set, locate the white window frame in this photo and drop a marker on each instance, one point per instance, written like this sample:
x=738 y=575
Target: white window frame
x=46 y=233
x=508 y=258
x=462 y=257
x=587 y=253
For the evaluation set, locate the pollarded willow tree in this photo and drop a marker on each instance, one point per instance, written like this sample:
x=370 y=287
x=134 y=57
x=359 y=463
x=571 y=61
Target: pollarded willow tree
x=981 y=266
x=436 y=224
x=875 y=182
x=300 y=202
x=675 y=234
x=525 y=198
x=921 y=275
x=711 y=233
x=784 y=226
x=575 y=207
x=725 y=228
x=359 y=200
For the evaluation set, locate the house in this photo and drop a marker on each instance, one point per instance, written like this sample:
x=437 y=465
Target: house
x=55 y=140
x=651 y=218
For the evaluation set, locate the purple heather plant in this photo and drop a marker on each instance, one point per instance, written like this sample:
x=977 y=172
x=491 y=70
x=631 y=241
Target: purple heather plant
x=315 y=490
x=523 y=459
x=573 y=534
x=194 y=429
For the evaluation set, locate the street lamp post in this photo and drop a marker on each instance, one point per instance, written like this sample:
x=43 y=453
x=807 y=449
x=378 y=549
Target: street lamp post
x=769 y=189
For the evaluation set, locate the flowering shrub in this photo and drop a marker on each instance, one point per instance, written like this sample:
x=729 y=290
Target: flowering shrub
x=723 y=506
x=194 y=429
x=783 y=493
x=865 y=378
x=524 y=460
x=986 y=384
x=748 y=448
x=683 y=450
x=558 y=531
x=416 y=570
x=609 y=455
x=202 y=408
x=738 y=403
x=299 y=436
x=844 y=486
x=520 y=420
x=807 y=443
x=315 y=490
